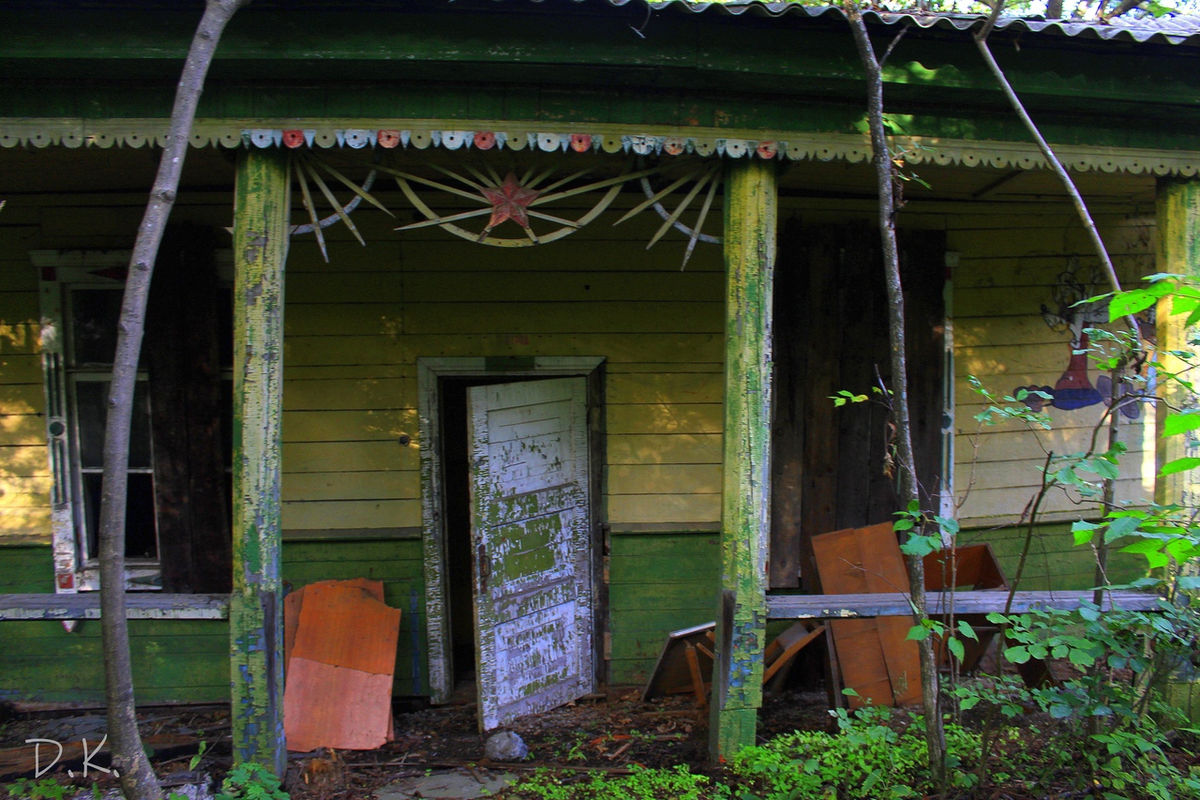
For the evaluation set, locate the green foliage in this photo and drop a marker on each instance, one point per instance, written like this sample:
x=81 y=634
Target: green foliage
x=643 y=784
x=1110 y=726
x=41 y=789
x=196 y=759
x=872 y=757
x=251 y=781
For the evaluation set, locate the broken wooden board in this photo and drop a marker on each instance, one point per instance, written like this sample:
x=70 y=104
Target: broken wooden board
x=341 y=656
x=685 y=663
x=675 y=672
x=877 y=660
x=969 y=568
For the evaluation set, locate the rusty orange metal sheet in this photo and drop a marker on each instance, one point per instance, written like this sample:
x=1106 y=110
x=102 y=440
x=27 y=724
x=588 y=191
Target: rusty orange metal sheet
x=329 y=706
x=291 y=621
x=344 y=625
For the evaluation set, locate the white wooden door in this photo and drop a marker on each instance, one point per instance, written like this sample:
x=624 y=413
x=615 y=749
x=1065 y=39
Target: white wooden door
x=531 y=538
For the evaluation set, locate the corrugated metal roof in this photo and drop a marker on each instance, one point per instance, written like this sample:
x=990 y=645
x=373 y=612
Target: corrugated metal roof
x=1176 y=29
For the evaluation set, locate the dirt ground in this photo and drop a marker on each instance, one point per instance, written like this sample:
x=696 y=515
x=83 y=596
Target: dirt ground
x=612 y=734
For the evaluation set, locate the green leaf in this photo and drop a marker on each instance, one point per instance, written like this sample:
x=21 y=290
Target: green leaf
x=947 y=525
x=1179 y=465
x=1181 y=423
x=1106 y=469
x=967 y=631
x=1060 y=711
x=1120 y=527
x=1130 y=302
x=956 y=647
x=920 y=546
x=1189 y=582
x=1017 y=654
x=917 y=633
x=1082 y=658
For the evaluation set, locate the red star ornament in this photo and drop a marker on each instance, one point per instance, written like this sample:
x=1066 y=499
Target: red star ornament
x=510 y=201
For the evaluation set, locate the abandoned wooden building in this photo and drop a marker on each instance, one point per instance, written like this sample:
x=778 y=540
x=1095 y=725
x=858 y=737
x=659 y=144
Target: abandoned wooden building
x=502 y=398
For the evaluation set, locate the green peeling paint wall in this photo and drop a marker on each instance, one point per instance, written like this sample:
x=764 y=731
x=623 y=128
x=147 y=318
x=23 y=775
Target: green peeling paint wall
x=188 y=660
x=659 y=583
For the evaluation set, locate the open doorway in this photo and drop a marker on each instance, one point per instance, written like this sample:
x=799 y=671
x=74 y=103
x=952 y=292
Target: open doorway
x=511 y=532
x=456 y=471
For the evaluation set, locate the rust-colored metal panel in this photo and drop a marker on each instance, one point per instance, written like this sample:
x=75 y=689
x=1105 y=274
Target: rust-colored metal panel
x=346 y=626
x=291 y=621
x=329 y=706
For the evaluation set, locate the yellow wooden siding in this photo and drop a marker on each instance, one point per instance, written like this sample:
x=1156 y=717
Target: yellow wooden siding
x=1008 y=269
x=356 y=326
x=24 y=466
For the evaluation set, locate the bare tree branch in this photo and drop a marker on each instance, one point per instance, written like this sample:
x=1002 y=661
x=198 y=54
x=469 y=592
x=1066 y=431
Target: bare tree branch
x=907 y=473
x=1124 y=7
x=138 y=781
x=1073 y=191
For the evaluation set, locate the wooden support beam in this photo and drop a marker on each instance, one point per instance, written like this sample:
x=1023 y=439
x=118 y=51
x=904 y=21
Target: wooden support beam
x=138 y=605
x=260 y=244
x=750 y=225
x=1178 y=212
x=896 y=604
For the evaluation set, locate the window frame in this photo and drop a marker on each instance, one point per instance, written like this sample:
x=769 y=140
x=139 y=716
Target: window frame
x=59 y=272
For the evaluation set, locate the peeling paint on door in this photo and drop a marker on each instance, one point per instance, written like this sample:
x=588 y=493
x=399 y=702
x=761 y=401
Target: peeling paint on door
x=530 y=534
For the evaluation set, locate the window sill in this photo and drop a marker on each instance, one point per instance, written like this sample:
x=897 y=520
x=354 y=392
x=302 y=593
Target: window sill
x=141 y=605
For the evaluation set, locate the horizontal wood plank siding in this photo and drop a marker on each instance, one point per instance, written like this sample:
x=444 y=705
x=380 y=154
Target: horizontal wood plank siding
x=177 y=661
x=657 y=583
x=356 y=326
x=1008 y=270
x=24 y=466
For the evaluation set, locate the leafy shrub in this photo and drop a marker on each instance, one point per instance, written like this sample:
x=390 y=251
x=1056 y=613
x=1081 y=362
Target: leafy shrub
x=676 y=783
x=251 y=781
x=870 y=758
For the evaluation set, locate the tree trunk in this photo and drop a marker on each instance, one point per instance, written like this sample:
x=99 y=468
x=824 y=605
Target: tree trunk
x=138 y=781
x=907 y=489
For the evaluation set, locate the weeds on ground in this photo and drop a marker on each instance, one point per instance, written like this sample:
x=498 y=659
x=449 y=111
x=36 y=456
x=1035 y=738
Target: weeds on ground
x=677 y=783
x=251 y=781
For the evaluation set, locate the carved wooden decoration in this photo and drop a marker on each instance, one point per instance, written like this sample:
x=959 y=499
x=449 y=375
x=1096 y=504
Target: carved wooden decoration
x=509 y=198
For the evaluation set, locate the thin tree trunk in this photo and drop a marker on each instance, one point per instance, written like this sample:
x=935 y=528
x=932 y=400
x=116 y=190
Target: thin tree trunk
x=138 y=781
x=908 y=488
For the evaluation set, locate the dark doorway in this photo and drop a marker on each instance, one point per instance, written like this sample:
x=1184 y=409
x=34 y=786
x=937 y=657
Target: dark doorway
x=830 y=466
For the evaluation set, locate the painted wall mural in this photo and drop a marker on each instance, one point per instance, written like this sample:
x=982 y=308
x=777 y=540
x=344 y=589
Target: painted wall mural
x=1070 y=314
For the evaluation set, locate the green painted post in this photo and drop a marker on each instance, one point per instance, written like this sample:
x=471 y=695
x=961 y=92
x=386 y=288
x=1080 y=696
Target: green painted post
x=260 y=243
x=1178 y=212
x=750 y=223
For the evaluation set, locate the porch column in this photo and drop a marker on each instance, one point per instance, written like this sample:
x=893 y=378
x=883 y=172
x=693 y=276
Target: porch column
x=260 y=243
x=1178 y=220
x=750 y=221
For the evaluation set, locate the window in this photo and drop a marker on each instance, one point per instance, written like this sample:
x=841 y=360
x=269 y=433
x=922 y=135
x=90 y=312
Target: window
x=81 y=294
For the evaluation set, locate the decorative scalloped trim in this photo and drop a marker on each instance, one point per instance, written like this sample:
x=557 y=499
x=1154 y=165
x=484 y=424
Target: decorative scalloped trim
x=792 y=146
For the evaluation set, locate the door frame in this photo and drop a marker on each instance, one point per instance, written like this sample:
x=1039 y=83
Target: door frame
x=433 y=529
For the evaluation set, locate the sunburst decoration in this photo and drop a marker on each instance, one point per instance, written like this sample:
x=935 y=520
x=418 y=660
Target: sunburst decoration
x=308 y=165
x=512 y=199
x=699 y=176
x=509 y=199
